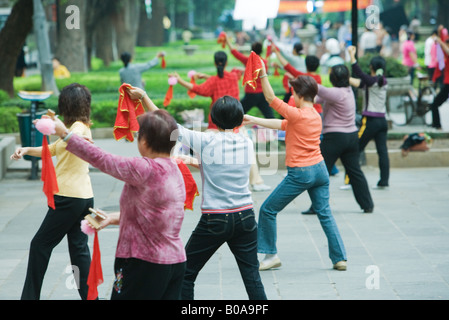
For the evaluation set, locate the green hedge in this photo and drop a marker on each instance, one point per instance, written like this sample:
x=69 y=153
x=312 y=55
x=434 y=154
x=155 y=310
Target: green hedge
x=394 y=68
x=8 y=119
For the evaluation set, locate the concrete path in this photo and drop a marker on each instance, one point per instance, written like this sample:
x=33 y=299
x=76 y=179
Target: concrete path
x=399 y=252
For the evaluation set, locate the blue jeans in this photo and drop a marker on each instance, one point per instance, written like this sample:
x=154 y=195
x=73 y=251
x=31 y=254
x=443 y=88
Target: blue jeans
x=314 y=179
x=239 y=231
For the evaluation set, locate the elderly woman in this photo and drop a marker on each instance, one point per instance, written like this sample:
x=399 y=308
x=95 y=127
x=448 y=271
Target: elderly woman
x=150 y=256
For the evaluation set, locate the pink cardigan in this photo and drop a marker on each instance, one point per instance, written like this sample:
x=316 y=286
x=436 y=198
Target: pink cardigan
x=151 y=203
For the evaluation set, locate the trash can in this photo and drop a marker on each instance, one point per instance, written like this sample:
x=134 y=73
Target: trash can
x=25 y=131
x=29 y=135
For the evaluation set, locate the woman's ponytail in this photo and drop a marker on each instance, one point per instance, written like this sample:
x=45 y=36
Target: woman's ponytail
x=220 y=58
x=380 y=77
x=378 y=64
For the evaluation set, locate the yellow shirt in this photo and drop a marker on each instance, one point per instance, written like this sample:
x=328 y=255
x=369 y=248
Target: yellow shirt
x=72 y=173
x=61 y=72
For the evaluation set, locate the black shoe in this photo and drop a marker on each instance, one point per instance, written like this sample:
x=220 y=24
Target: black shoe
x=310 y=211
x=370 y=210
x=380 y=187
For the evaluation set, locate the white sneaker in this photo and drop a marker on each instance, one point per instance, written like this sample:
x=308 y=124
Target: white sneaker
x=260 y=187
x=346 y=187
x=270 y=264
x=340 y=265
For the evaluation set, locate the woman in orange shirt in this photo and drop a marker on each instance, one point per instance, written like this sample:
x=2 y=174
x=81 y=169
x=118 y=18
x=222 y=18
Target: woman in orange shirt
x=305 y=166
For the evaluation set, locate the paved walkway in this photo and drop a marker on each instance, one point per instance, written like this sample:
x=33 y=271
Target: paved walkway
x=401 y=251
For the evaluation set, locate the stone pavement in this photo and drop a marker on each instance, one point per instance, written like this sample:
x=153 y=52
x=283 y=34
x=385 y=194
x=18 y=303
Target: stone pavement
x=399 y=252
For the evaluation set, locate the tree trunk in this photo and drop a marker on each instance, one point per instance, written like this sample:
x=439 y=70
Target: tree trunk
x=104 y=40
x=71 y=48
x=156 y=26
x=144 y=33
x=126 y=23
x=151 y=31
x=96 y=12
x=443 y=12
x=43 y=46
x=12 y=39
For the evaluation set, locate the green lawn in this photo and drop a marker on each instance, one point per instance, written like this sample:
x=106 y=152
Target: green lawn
x=104 y=83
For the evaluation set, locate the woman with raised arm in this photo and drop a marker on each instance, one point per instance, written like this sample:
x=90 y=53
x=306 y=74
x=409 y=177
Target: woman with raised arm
x=224 y=159
x=340 y=134
x=374 y=124
x=224 y=83
x=253 y=96
x=306 y=170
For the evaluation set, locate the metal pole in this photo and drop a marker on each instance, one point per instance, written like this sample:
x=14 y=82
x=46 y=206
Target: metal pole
x=355 y=22
x=43 y=47
x=33 y=142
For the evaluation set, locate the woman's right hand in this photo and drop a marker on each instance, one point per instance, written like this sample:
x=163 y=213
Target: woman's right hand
x=109 y=219
x=19 y=153
x=352 y=50
x=135 y=93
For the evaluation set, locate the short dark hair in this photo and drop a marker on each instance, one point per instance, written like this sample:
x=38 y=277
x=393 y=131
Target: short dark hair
x=305 y=86
x=312 y=63
x=157 y=129
x=227 y=113
x=257 y=48
x=126 y=58
x=298 y=47
x=74 y=104
x=339 y=76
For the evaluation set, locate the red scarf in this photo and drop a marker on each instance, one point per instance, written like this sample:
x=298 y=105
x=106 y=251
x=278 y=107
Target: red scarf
x=276 y=72
x=168 y=96
x=222 y=39
x=190 y=184
x=268 y=51
x=95 y=277
x=48 y=174
x=128 y=111
x=253 y=67
x=190 y=92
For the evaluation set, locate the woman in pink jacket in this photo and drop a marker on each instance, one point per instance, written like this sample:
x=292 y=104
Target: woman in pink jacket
x=150 y=256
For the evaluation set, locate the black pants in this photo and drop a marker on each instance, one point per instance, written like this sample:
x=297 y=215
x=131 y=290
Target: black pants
x=239 y=231
x=257 y=99
x=441 y=97
x=136 y=279
x=65 y=220
x=377 y=128
x=346 y=147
